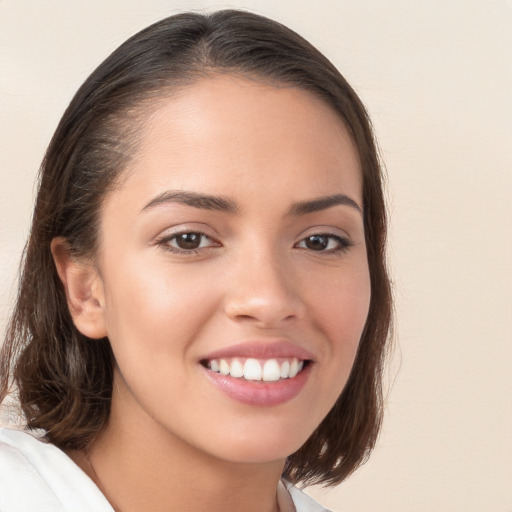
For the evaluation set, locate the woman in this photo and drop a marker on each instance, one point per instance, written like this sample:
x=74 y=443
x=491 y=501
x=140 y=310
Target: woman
x=204 y=305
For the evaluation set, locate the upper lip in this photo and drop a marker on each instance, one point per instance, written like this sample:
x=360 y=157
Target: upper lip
x=261 y=350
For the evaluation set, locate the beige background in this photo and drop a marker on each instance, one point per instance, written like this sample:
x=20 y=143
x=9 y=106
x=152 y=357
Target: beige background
x=437 y=79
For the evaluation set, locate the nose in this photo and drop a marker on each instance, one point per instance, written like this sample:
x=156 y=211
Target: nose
x=264 y=290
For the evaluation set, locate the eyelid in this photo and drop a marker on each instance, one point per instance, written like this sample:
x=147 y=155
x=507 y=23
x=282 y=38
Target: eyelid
x=344 y=242
x=164 y=239
x=187 y=227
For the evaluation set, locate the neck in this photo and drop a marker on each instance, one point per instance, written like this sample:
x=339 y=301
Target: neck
x=139 y=465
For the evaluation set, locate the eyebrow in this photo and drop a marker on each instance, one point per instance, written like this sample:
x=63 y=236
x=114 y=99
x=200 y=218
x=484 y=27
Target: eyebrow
x=195 y=199
x=322 y=203
x=225 y=204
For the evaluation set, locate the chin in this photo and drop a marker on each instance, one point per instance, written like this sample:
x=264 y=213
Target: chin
x=258 y=448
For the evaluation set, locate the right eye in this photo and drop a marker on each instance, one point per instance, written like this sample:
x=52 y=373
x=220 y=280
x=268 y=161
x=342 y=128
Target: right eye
x=187 y=242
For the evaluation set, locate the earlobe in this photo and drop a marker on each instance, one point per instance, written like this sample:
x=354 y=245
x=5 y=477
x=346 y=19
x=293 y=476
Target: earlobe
x=84 y=290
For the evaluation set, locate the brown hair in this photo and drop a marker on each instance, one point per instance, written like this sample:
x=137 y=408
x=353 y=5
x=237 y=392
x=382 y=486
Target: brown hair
x=63 y=381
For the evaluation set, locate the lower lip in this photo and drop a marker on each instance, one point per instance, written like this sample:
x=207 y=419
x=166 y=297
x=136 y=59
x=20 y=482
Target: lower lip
x=260 y=393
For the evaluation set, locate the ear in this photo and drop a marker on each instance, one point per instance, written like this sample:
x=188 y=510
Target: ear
x=84 y=290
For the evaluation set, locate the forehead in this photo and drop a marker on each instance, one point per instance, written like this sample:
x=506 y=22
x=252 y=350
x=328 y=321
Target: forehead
x=227 y=134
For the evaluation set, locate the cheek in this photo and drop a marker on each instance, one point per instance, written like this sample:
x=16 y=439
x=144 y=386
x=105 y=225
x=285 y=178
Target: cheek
x=154 y=319
x=154 y=306
x=341 y=307
x=338 y=308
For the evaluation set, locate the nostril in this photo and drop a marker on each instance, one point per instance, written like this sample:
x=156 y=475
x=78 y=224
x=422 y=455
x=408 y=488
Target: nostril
x=245 y=317
x=266 y=313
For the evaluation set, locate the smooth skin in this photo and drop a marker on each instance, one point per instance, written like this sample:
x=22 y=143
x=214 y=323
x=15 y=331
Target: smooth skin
x=174 y=441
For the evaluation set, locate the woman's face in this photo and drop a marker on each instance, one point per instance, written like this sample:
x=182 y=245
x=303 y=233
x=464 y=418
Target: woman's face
x=235 y=245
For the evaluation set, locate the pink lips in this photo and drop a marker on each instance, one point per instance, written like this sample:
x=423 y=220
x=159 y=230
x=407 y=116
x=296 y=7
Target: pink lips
x=259 y=350
x=259 y=393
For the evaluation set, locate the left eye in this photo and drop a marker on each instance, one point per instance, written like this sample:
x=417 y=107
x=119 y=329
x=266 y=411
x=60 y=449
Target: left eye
x=324 y=243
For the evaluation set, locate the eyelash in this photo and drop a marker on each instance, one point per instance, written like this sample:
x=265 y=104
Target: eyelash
x=343 y=244
x=165 y=243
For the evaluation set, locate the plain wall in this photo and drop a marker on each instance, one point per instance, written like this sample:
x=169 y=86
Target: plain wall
x=437 y=79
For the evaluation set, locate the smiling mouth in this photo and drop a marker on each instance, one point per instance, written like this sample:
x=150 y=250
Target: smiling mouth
x=251 y=369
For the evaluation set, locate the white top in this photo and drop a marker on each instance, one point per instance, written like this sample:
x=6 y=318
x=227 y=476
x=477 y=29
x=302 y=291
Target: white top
x=35 y=475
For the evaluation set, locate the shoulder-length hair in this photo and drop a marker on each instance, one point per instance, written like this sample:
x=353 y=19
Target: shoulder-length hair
x=63 y=379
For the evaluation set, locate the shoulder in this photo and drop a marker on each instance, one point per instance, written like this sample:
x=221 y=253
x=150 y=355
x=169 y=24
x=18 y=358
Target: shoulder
x=303 y=502
x=35 y=475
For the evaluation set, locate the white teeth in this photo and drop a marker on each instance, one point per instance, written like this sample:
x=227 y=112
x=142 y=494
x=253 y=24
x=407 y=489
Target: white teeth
x=271 y=370
x=237 y=369
x=285 y=370
x=224 y=367
x=294 y=368
x=253 y=369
